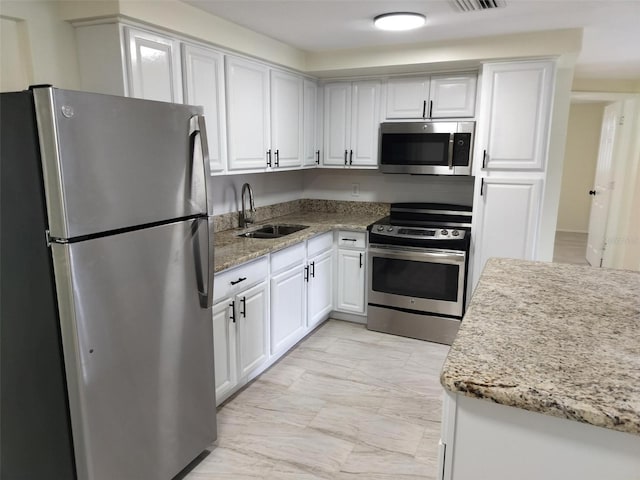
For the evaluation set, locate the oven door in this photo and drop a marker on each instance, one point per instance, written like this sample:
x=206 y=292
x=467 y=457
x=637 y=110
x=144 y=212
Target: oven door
x=418 y=279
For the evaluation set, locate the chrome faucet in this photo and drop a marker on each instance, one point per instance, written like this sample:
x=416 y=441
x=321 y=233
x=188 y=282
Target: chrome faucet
x=244 y=218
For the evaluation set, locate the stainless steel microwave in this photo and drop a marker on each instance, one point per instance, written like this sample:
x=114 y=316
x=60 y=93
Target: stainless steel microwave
x=427 y=148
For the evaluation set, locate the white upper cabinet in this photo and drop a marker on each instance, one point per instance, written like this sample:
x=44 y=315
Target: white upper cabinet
x=516 y=110
x=286 y=119
x=247 y=89
x=154 y=66
x=311 y=154
x=337 y=123
x=452 y=96
x=407 y=97
x=352 y=120
x=436 y=96
x=365 y=123
x=203 y=71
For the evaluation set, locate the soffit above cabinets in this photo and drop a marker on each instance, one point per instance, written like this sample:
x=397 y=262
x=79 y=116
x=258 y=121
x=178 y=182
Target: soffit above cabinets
x=609 y=47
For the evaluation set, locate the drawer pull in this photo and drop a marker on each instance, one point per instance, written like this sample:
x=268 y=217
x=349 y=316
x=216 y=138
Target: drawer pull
x=349 y=240
x=241 y=279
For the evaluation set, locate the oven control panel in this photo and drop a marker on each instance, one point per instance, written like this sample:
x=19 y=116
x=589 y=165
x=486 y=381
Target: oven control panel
x=417 y=232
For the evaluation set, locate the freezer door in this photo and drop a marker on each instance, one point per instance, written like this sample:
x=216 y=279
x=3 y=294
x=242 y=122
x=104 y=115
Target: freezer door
x=112 y=162
x=138 y=350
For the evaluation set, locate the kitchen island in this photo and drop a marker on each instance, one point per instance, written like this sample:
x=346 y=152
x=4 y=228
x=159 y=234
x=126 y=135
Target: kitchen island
x=543 y=378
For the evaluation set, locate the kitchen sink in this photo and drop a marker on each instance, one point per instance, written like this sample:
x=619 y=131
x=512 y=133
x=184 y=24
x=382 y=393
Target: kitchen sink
x=273 y=231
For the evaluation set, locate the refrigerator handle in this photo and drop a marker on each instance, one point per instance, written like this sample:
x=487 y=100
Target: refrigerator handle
x=197 y=126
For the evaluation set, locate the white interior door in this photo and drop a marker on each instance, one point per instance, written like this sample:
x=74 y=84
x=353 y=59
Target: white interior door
x=602 y=186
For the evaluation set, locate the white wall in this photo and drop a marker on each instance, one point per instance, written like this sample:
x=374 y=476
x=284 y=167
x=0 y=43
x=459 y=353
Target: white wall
x=268 y=189
x=581 y=155
x=40 y=47
x=331 y=184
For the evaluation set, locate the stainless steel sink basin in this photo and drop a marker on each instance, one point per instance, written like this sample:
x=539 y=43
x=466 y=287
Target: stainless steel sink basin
x=273 y=231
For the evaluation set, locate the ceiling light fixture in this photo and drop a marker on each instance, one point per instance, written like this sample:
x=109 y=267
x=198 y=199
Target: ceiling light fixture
x=399 y=21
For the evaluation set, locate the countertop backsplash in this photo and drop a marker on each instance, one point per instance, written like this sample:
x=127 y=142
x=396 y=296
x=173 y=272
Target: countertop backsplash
x=229 y=221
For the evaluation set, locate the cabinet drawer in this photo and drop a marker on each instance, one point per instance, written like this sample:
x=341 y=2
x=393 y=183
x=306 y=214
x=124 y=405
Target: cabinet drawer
x=234 y=280
x=352 y=239
x=319 y=244
x=287 y=257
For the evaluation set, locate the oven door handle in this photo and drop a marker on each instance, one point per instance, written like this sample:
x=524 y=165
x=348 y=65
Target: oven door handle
x=406 y=253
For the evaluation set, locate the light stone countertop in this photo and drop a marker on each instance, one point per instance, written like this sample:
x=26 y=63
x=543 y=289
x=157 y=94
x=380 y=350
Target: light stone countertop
x=558 y=339
x=232 y=250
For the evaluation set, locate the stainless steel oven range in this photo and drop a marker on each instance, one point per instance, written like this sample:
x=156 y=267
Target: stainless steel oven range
x=418 y=261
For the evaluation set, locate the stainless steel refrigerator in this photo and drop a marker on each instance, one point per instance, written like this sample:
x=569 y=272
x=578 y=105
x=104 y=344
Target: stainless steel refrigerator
x=106 y=255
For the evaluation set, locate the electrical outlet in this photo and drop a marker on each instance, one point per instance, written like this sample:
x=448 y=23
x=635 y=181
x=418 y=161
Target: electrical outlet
x=355 y=189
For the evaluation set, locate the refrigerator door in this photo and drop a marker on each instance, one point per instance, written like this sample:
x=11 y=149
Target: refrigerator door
x=138 y=350
x=112 y=162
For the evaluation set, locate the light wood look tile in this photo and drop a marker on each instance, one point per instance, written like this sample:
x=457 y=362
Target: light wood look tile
x=345 y=404
x=570 y=247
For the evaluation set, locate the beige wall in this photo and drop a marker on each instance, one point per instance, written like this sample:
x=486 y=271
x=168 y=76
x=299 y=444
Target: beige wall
x=37 y=46
x=609 y=85
x=581 y=154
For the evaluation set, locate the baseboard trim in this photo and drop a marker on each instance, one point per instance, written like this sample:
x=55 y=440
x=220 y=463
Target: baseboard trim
x=349 y=317
x=571 y=231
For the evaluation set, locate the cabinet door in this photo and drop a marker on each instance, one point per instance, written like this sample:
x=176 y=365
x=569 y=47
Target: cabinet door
x=154 y=66
x=320 y=288
x=365 y=124
x=286 y=119
x=288 y=320
x=224 y=349
x=337 y=123
x=251 y=312
x=203 y=71
x=311 y=155
x=351 y=286
x=247 y=89
x=452 y=96
x=508 y=220
x=407 y=97
x=515 y=115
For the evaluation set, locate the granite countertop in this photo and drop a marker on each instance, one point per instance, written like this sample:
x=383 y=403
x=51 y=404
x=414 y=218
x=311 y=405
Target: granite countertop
x=232 y=250
x=558 y=339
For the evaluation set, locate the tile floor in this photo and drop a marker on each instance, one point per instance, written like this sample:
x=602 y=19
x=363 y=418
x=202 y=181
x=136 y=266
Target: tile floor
x=570 y=247
x=346 y=403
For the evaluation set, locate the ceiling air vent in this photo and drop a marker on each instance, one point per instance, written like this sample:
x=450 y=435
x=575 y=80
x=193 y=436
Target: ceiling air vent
x=474 y=5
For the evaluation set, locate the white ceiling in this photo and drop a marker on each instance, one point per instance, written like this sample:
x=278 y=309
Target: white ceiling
x=611 y=43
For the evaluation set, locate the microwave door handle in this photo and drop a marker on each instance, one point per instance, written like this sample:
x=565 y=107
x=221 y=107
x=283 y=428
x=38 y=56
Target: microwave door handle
x=450 y=159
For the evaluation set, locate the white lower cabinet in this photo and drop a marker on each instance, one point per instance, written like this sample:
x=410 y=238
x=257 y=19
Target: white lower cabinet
x=350 y=294
x=481 y=439
x=251 y=313
x=320 y=288
x=258 y=315
x=224 y=349
x=288 y=289
x=240 y=326
x=508 y=211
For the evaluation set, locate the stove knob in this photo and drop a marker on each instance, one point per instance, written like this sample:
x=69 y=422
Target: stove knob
x=389 y=229
x=444 y=232
x=380 y=228
x=455 y=233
